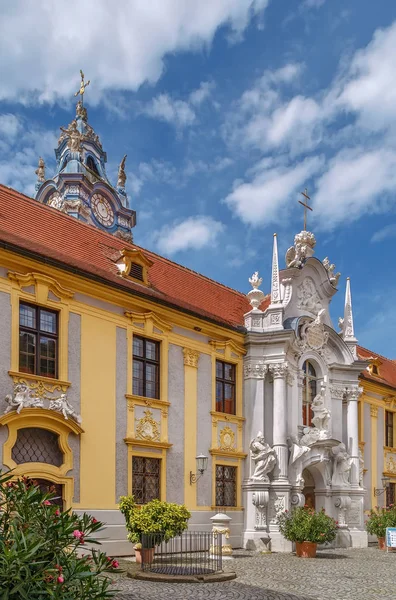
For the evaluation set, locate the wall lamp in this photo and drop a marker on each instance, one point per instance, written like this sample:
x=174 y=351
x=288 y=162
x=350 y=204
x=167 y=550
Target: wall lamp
x=202 y=465
x=385 y=484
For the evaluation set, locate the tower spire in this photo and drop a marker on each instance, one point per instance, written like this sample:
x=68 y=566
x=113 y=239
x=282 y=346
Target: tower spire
x=275 y=291
x=346 y=323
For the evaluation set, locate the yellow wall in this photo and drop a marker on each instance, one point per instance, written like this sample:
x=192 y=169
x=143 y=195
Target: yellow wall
x=98 y=369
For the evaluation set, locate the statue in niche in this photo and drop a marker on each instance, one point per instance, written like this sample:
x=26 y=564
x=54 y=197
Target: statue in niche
x=121 y=173
x=342 y=466
x=263 y=456
x=22 y=398
x=63 y=406
x=297 y=453
x=322 y=415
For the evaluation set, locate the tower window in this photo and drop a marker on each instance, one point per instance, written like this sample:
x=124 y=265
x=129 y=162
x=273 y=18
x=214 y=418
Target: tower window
x=309 y=392
x=92 y=165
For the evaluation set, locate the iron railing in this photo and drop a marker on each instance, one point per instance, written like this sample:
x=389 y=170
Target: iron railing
x=191 y=553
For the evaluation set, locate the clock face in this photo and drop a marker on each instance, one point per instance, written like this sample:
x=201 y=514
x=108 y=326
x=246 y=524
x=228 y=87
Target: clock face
x=102 y=210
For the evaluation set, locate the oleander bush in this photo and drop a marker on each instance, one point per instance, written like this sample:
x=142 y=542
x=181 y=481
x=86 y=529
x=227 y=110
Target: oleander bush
x=380 y=518
x=165 y=519
x=304 y=524
x=41 y=548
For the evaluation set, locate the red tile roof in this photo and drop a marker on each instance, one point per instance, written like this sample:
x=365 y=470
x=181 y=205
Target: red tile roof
x=43 y=230
x=386 y=368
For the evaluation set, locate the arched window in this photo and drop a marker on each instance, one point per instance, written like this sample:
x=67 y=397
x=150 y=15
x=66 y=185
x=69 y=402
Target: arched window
x=309 y=391
x=92 y=165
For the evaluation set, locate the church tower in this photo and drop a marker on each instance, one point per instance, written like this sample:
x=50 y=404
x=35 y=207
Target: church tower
x=80 y=186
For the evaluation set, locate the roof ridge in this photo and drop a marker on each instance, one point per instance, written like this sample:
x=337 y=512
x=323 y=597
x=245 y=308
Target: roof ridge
x=376 y=354
x=105 y=233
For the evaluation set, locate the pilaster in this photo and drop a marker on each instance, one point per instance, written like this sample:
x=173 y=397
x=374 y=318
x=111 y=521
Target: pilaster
x=191 y=358
x=279 y=373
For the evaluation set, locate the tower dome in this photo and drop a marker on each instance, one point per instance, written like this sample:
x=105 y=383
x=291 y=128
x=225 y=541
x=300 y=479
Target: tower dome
x=80 y=186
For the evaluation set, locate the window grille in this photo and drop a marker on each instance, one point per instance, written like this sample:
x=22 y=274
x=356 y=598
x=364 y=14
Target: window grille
x=34 y=444
x=146 y=474
x=225 y=387
x=226 y=485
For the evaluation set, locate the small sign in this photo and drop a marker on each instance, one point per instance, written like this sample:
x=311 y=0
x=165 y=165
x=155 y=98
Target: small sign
x=390 y=537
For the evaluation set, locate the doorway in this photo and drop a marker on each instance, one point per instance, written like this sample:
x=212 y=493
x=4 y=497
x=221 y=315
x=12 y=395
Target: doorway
x=309 y=489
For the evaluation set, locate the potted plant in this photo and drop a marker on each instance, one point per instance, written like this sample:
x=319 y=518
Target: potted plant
x=150 y=524
x=307 y=528
x=378 y=520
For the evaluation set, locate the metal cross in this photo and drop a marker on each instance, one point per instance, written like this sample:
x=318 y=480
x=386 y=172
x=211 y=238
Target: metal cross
x=306 y=206
x=83 y=85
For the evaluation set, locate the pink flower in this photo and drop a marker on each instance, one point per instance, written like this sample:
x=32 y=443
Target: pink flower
x=94 y=520
x=115 y=564
x=47 y=503
x=60 y=579
x=57 y=513
x=321 y=534
x=78 y=534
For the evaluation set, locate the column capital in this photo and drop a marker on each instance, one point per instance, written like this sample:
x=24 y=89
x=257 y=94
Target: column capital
x=354 y=393
x=278 y=370
x=255 y=370
x=373 y=411
x=190 y=357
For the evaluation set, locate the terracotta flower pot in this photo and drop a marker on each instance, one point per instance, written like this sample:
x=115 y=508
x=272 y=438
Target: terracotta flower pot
x=145 y=555
x=381 y=543
x=306 y=549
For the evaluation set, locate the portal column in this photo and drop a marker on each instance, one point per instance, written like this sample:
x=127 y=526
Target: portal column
x=353 y=433
x=279 y=373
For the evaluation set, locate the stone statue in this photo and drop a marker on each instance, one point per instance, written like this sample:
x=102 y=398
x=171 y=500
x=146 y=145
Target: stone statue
x=304 y=244
x=263 y=456
x=40 y=171
x=75 y=137
x=121 y=173
x=310 y=436
x=322 y=415
x=297 y=452
x=22 y=398
x=342 y=466
x=62 y=405
x=320 y=317
x=330 y=268
x=255 y=281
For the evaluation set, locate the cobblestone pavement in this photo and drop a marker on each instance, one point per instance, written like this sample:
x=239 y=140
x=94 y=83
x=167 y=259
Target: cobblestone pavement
x=366 y=574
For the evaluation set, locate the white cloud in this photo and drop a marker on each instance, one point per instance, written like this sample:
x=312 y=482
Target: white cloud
x=20 y=148
x=176 y=112
x=357 y=181
x=389 y=231
x=202 y=93
x=194 y=233
x=367 y=88
x=119 y=49
x=263 y=200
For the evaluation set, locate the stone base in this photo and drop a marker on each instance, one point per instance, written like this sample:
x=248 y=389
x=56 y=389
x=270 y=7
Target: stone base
x=279 y=544
x=258 y=541
x=359 y=539
x=343 y=538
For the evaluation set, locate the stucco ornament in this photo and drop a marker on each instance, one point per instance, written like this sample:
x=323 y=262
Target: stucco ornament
x=255 y=296
x=63 y=406
x=310 y=436
x=330 y=268
x=56 y=201
x=227 y=439
x=147 y=428
x=304 y=244
x=22 y=397
x=341 y=466
x=297 y=453
x=263 y=456
x=308 y=298
x=322 y=415
x=313 y=335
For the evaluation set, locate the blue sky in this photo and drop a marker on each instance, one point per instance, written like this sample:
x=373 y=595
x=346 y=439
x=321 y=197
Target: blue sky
x=227 y=109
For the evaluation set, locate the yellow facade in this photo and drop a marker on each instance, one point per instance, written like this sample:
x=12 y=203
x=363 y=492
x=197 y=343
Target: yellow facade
x=98 y=307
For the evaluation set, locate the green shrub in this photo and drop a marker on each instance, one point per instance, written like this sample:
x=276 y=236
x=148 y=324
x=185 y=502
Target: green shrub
x=40 y=546
x=163 y=518
x=379 y=519
x=304 y=524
